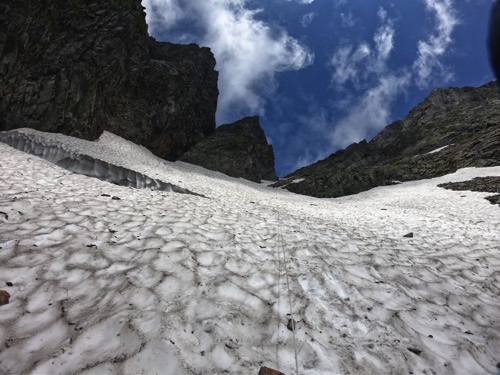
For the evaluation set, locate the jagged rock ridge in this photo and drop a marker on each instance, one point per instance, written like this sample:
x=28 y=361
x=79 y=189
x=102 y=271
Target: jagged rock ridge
x=238 y=150
x=451 y=129
x=80 y=67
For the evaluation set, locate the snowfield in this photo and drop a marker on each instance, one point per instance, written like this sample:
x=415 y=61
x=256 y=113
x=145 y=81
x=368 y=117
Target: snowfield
x=109 y=279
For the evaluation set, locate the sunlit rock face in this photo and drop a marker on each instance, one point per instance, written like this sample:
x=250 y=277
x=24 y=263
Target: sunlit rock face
x=453 y=128
x=81 y=67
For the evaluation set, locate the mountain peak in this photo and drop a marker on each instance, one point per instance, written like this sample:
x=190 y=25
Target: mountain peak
x=452 y=128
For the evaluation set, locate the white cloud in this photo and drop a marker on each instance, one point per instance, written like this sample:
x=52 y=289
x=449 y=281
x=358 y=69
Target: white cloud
x=366 y=67
x=307 y=19
x=357 y=64
x=346 y=62
x=162 y=14
x=382 y=14
x=384 y=44
x=428 y=64
x=371 y=112
x=384 y=37
x=249 y=52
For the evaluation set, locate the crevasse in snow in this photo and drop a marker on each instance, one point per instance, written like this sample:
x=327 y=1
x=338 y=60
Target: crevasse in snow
x=34 y=143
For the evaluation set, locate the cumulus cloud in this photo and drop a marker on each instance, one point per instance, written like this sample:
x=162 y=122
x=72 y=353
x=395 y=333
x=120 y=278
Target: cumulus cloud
x=365 y=66
x=428 y=63
x=384 y=37
x=347 y=62
x=356 y=64
x=371 y=113
x=249 y=51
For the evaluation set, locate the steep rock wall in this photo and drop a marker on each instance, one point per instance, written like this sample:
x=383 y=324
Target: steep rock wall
x=80 y=67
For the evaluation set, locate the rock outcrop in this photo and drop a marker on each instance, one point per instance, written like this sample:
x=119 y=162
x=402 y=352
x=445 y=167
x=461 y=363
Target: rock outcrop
x=451 y=129
x=483 y=184
x=80 y=67
x=238 y=150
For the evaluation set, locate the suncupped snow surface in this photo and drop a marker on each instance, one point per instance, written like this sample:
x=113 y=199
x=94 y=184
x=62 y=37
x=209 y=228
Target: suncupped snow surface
x=163 y=283
x=80 y=157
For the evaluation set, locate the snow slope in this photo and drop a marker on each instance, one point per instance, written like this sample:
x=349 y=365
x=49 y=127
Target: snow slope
x=111 y=279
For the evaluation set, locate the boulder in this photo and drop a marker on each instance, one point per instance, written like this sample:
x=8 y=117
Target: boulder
x=269 y=371
x=4 y=297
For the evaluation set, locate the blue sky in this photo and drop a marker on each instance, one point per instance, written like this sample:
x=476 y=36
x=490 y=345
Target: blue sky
x=323 y=74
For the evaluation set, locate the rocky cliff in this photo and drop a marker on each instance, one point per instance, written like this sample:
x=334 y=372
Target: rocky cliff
x=80 y=67
x=451 y=129
x=238 y=150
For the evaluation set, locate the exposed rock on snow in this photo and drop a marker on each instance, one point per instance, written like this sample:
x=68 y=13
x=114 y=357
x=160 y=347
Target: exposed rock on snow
x=485 y=184
x=180 y=284
x=269 y=371
x=4 y=297
x=494 y=199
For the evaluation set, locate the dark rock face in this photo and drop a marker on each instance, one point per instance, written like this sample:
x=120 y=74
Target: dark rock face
x=80 y=67
x=494 y=199
x=494 y=38
x=238 y=150
x=464 y=122
x=483 y=184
